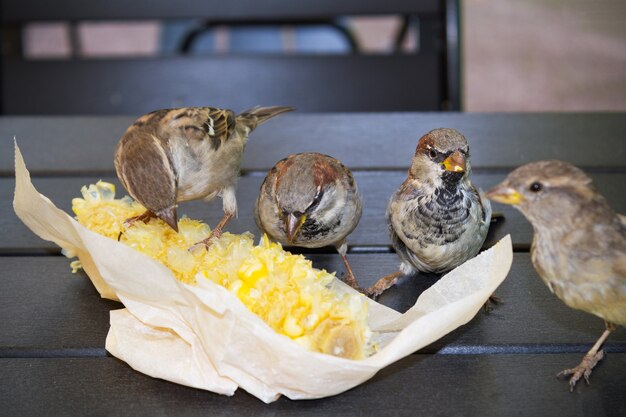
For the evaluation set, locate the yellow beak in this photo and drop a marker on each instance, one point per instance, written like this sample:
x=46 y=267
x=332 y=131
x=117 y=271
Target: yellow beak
x=505 y=195
x=293 y=225
x=455 y=162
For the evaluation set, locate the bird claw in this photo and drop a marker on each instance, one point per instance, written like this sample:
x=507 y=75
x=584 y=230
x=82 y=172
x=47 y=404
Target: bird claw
x=582 y=370
x=373 y=293
x=203 y=243
x=350 y=280
x=206 y=242
x=382 y=285
x=491 y=303
x=144 y=217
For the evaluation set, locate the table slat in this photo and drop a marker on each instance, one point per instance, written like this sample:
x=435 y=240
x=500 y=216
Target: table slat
x=437 y=385
x=360 y=141
x=47 y=311
x=376 y=189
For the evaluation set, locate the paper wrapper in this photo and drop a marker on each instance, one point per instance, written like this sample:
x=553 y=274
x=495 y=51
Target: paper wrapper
x=204 y=337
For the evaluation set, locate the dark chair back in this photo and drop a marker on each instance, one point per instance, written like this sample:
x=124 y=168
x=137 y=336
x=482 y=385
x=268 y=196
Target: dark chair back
x=427 y=80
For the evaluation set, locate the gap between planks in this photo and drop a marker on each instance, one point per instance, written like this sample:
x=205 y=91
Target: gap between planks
x=64 y=173
x=369 y=249
x=515 y=349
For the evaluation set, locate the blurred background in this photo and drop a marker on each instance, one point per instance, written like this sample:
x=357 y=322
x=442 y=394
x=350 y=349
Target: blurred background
x=481 y=55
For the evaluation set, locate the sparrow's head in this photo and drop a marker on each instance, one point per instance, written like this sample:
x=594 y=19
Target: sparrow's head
x=545 y=191
x=442 y=156
x=310 y=194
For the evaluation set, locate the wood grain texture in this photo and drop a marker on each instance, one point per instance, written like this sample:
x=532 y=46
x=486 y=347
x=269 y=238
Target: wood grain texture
x=53 y=324
x=375 y=187
x=361 y=141
x=45 y=310
x=431 y=385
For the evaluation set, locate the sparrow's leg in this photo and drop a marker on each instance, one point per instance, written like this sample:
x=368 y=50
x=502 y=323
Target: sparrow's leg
x=349 y=279
x=382 y=284
x=230 y=212
x=589 y=360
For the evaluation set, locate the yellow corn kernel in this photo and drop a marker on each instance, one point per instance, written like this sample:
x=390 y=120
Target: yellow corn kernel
x=291 y=327
x=76 y=266
x=281 y=288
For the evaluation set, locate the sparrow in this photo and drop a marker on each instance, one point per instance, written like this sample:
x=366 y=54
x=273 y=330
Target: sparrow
x=174 y=155
x=437 y=218
x=578 y=247
x=310 y=200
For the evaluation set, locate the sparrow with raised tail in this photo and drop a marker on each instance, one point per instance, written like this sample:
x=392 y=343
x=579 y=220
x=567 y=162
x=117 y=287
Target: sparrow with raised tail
x=175 y=155
x=578 y=247
x=437 y=219
x=310 y=200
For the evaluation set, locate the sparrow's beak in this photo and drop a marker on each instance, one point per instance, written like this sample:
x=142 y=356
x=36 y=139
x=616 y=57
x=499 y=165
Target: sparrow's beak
x=293 y=225
x=505 y=195
x=455 y=162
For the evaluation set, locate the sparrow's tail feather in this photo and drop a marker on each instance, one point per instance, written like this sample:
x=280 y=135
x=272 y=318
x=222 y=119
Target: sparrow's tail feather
x=257 y=115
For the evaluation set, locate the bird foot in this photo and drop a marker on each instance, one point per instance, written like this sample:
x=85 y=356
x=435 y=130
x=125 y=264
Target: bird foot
x=144 y=217
x=206 y=243
x=382 y=284
x=583 y=369
x=491 y=303
x=373 y=293
x=350 y=280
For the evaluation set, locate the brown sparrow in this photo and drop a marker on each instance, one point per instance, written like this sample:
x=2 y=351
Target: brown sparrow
x=579 y=243
x=310 y=200
x=175 y=155
x=437 y=219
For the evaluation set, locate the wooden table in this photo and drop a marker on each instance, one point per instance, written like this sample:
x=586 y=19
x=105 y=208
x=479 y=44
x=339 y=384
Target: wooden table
x=53 y=324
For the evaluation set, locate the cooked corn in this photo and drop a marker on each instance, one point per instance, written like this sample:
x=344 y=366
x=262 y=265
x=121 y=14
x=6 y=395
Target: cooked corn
x=283 y=289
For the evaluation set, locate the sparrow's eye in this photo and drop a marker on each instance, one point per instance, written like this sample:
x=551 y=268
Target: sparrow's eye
x=535 y=187
x=432 y=153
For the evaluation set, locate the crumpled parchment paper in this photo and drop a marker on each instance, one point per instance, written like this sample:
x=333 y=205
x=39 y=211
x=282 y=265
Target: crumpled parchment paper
x=202 y=336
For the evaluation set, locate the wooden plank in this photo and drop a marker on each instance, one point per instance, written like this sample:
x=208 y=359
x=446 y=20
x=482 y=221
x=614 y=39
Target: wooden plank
x=361 y=141
x=307 y=82
x=28 y=10
x=48 y=311
x=441 y=385
x=376 y=188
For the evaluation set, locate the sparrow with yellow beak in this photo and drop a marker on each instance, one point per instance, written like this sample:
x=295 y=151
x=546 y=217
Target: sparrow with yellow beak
x=437 y=219
x=175 y=155
x=578 y=247
x=310 y=200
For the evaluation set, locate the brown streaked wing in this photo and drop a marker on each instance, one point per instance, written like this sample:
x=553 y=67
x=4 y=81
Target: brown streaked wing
x=223 y=122
x=145 y=170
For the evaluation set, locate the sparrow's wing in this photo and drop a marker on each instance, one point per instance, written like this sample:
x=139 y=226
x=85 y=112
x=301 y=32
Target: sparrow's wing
x=145 y=170
x=220 y=123
x=200 y=123
x=622 y=218
x=485 y=205
x=264 y=200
